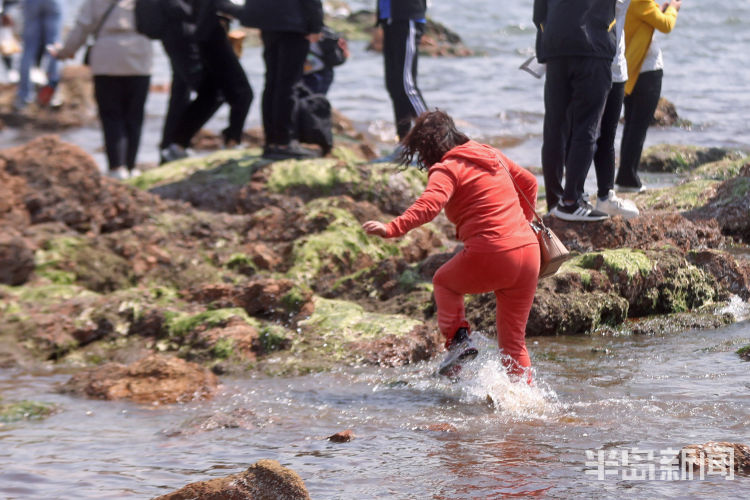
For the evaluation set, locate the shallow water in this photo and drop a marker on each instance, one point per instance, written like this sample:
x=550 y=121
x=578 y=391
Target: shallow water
x=614 y=393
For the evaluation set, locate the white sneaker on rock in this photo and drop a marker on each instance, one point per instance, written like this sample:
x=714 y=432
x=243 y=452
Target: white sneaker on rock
x=612 y=205
x=119 y=173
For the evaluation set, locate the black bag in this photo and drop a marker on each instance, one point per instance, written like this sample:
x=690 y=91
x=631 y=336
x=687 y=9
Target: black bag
x=331 y=52
x=150 y=18
x=312 y=118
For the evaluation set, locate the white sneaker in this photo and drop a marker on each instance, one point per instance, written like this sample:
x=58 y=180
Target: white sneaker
x=135 y=172
x=613 y=205
x=631 y=189
x=119 y=173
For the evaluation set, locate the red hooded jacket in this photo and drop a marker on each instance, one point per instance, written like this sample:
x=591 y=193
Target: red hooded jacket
x=479 y=198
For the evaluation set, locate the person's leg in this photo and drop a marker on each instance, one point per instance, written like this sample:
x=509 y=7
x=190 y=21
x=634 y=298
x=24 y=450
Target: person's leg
x=209 y=98
x=136 y=91
x=179 y=100
x=513 y=307
x=292 y=51
x=555 y=132
x=400 y=56
x=639 y=111
x=271 y=58
x=604 y=157
x=234 y=86
x=108 y=92
x=52 y=22
x=591 y=80
x=32 y=34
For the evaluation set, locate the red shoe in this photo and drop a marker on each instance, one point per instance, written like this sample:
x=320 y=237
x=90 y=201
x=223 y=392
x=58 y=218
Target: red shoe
x=44 y=96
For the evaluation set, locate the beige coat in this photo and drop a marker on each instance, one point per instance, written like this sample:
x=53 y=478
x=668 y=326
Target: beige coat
x=119 y=50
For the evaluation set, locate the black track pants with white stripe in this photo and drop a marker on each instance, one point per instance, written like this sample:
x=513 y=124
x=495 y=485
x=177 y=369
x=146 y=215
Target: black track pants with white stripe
x=400 y=45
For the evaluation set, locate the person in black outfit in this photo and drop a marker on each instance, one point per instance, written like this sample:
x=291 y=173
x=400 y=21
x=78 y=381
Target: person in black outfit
x=287 y=29
x=202 y=60
x=403 y=23
x=577 y=42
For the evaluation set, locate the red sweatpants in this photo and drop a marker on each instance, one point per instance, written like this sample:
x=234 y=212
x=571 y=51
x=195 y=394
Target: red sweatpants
x=511 y=274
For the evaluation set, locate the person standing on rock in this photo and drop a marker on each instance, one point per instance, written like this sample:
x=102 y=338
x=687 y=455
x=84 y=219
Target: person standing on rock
x=120 y=61
x=287 y=28
x=491 y=201
x=577 y=42
x=403 y=23
x=607 y=200
x=42 y=20
x=643 y=89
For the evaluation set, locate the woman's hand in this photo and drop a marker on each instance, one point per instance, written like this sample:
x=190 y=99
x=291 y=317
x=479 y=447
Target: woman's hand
x=375 y=228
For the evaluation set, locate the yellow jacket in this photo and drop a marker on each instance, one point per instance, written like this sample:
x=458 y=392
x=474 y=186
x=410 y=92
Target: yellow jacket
x=642 y=18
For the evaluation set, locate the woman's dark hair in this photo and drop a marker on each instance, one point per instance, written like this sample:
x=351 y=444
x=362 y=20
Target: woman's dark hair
x=432 y=135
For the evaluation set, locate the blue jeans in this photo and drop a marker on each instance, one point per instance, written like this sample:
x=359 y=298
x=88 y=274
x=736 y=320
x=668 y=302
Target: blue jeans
x=41 y=26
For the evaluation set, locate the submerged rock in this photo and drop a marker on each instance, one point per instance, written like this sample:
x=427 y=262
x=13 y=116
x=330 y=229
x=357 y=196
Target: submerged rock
x=24 y=410
x=715 y=456
x=342 y=436
x=264 y=480
x=154 y=379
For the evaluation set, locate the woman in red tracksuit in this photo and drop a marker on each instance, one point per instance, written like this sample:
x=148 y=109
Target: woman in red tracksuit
x=501 y=253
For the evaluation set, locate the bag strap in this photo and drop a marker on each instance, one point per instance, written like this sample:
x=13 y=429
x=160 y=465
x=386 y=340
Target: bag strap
x=519 y=190
x=104 y=18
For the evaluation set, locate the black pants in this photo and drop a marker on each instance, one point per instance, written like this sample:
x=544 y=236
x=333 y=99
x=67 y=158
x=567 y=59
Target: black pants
x=639 y=111
x=400 y=53
x=121 y=100
x=284 y=54
x=604 y=157
x=223 y=80
x=575 y=92
x=179 y=100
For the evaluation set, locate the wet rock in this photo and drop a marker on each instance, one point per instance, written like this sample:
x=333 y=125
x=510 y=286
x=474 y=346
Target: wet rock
x=238 y=418
x=731 y=273
x=13 y=211
x=444 y=427
x=437 y=41
x=574 y=313
x=16 y=257
x=280 y=299
x=24 y=410
x=154 y=379
x=420 y=344
x=264 y=480
x=676 y=323
x=71 y=190
x=342 y=436
x=647 y=231
x=715 y=456
x=744 y=353
x=680 y=158
x=665 y=114
x=729 y=206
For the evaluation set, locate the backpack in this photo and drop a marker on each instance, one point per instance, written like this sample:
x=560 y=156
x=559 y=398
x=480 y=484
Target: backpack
x=312 y=118
x=150 y=19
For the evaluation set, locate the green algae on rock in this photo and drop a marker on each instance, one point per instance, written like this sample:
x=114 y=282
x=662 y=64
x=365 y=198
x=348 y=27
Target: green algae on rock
x=680 y=158
x=744 y=352
x=25 y=410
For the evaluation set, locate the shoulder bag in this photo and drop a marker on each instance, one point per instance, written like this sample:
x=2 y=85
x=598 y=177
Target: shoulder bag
x=87 y=54
x=552 y=252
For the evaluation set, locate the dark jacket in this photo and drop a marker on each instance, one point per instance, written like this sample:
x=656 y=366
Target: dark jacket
x=401 y=10
x=583 y=28
x=297 y=16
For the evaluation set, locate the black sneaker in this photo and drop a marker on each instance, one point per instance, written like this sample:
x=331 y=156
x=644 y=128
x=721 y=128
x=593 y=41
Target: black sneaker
x=291 y=151
x=461 y=349
x=578 y=212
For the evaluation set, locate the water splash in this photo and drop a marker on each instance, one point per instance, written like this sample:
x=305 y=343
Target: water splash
x=737 y=307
